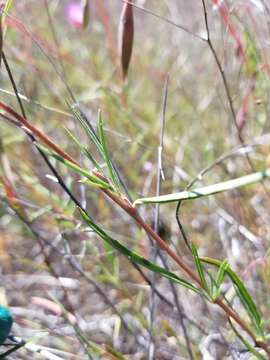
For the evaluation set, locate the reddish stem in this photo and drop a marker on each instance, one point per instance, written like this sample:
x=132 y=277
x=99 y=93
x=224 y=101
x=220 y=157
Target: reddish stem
x=132 y=211
x=23 y=121
x=125 y=205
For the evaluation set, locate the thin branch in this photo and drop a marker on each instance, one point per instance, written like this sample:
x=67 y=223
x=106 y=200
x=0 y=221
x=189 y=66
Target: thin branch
x=221 y=71
x=63 y=185
x=56 y=41
x=129 y=209
x=160 y=17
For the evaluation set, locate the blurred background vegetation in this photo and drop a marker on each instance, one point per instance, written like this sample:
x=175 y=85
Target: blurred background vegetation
x=56 y=60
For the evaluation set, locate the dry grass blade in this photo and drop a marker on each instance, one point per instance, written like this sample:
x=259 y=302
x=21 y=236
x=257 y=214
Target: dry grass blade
x=126 y=37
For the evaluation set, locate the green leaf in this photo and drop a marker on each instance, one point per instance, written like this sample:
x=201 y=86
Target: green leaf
x=249 y=347
x=92 y=179
x=221 y=272
x=243 y=294
x=135 y=257
x=199 y=268
x=87 y=128
x=105 y=154
x=207 y=190
x=99 y=143
x=220 y=277
x=8 y=6
x=92 y=183
x=116 y=354
x=84 y=150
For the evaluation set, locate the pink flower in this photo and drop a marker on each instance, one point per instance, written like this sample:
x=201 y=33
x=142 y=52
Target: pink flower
x=74 y=13
x=148 y=166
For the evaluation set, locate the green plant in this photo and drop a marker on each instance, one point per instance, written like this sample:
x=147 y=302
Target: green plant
x=88 y=186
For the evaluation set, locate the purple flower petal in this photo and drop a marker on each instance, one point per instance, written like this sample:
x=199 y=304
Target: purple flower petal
x=74 y=13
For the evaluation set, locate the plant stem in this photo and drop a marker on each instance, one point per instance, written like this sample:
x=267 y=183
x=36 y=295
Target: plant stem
x=127 y=207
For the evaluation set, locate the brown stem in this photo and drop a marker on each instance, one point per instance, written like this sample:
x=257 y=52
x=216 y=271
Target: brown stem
x=132 y=211
x=23 y=121
x=231 y=313
x=126 y=206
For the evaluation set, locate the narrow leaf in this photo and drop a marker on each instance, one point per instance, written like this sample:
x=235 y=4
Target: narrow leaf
x=126 y=37
x=135 y=257
x=116 y=354
x=243 y=293
x=220 y=277
x=106 y=155
x=221 y=272
x=207 y=190
x=8 y=6
x=93 y=180
x=249 y=347
x=87 y=128
x=84 y=150
x=91 y=134
x=199 y=267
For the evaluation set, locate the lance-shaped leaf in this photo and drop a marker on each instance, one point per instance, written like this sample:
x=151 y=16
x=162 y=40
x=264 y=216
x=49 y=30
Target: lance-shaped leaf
x=106 y=155
x=126 y=37
x=136 y=258
x=207 y=190
x=91 y=179
x=243 y=294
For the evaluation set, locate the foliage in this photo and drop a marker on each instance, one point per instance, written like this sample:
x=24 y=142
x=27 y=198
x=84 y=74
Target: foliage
x=83 y=157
